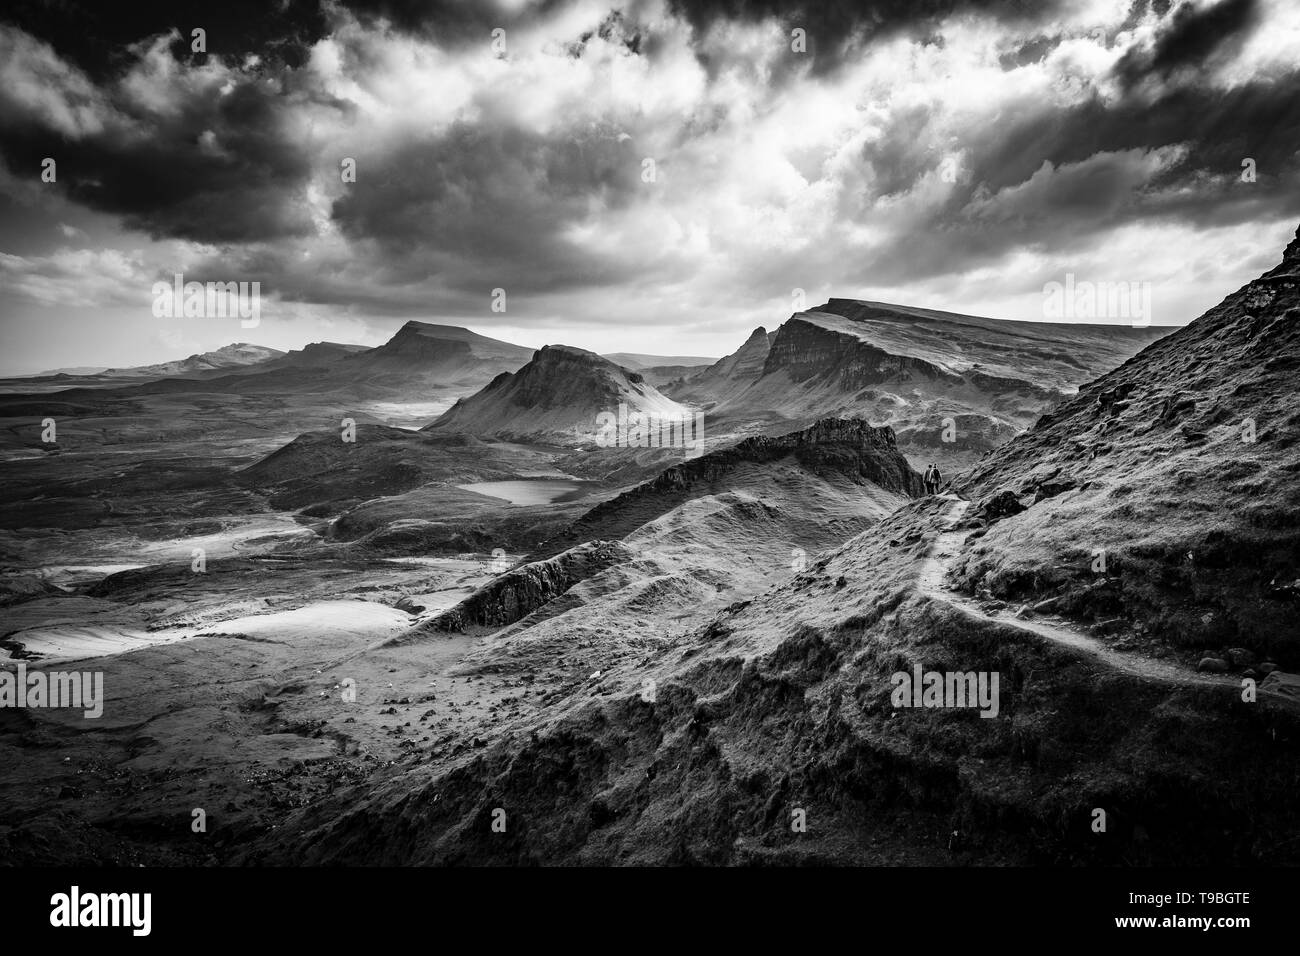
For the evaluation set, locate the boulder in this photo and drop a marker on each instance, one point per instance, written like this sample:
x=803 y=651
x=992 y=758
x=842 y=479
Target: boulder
x=1240 y=656
x=1002 y=505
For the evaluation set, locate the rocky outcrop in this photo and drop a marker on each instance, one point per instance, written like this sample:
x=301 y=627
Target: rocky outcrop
x=806 y=351
x=1002 y=505
x=844 y=448
x=519 y=592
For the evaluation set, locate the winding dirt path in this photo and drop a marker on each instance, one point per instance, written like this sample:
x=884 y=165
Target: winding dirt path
x=931 y=582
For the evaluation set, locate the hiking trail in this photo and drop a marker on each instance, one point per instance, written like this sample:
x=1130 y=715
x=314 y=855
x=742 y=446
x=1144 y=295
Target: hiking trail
x=931 y=582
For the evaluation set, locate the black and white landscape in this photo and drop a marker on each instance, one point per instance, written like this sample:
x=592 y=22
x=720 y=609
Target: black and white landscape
x=660 y=433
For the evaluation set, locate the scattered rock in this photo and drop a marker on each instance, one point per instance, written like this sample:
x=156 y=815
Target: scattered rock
x=1240 y=656
x=1213 y=665
x=1050 y=489
x=1002 y=505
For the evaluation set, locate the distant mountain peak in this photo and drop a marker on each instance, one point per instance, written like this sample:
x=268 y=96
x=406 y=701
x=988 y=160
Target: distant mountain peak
x=550 y=351
x=424 y=328
x=557 y=395
x=423 y=346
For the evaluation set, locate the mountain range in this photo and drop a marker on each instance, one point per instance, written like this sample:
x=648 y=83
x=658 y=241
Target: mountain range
x=1152 y=688
x=432 y=596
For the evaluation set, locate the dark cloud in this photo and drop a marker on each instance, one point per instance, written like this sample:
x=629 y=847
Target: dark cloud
x=490 y=205
x=1191 y=36
x=454 y=22
x=1260 y=120
x=839 y=28
x=494 y=198
x=897 y=162
x=225 y=168
x=1064 y=179
x=95 y=35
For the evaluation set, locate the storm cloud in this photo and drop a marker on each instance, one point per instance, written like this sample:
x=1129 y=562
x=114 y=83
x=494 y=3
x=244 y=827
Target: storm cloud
x=630 y=166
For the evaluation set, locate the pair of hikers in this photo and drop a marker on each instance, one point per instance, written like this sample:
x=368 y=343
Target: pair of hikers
x=932 y=479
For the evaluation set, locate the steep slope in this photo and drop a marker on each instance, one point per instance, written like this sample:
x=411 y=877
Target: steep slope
x=1163 y=502
x=912 y=369
x=849 y=450
x=783 y=497
x=706 y=746
x=707 y=740
x=730 y=375
x=1047 y=354
x=557 y=397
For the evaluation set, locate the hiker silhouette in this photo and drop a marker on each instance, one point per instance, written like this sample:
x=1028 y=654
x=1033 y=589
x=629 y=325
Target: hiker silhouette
x=932 y=479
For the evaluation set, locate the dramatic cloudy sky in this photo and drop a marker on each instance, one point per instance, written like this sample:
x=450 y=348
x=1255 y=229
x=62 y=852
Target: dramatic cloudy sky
x=1102 y=137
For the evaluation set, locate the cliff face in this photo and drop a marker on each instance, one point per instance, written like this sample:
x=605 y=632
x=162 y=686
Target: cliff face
x=806 y=352
x=917 y=370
